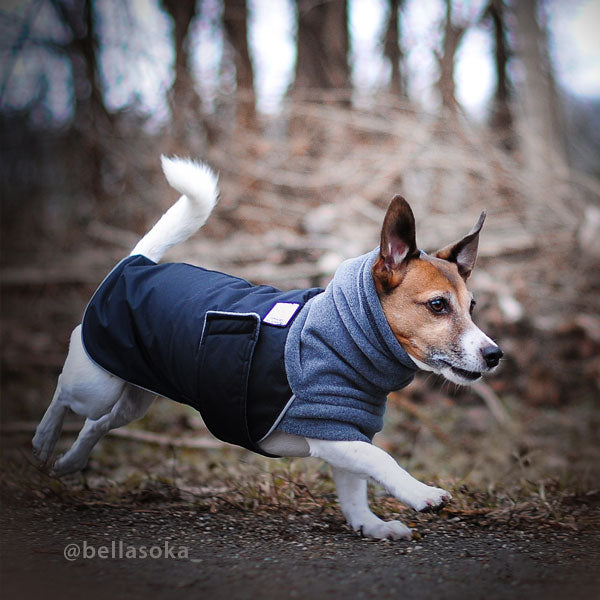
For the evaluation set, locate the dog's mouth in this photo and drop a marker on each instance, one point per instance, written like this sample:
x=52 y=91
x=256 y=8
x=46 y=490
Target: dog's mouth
x=464 y=374
x=458 y=375
x=448 y=370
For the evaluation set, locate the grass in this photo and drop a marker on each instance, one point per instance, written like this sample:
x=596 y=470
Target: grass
x=541 y=470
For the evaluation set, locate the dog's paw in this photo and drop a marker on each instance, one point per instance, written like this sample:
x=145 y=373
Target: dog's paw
x=384 y=530
x=42 y=447
x=428 y=498
x=65 y=465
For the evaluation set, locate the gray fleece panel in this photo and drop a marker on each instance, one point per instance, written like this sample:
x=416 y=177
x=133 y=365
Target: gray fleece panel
x=342 y=359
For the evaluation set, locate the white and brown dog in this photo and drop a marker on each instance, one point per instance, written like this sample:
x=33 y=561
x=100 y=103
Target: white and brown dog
x=383 y=317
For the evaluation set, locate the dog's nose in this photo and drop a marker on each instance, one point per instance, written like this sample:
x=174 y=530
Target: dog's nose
x=492 y=355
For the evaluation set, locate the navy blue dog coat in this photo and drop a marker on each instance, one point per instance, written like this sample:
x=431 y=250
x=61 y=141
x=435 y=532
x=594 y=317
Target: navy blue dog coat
x=200 y=337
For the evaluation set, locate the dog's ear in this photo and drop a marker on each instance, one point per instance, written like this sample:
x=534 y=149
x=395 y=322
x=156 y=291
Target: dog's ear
x=398 y=245
x=464 y=252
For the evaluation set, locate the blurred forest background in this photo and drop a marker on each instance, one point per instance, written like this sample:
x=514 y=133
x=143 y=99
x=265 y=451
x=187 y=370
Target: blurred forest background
x=315 y=113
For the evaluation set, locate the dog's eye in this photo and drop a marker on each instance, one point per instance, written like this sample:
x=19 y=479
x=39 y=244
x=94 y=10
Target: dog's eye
x=472 y=307
x=437 y=305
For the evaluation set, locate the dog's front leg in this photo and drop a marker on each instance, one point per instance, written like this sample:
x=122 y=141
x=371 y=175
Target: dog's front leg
x=368 y=461
x=352 y=495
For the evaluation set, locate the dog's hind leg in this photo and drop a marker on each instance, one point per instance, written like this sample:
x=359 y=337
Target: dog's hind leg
x=48 y=431
x=131 y=405
x=82 y=387
x=352 y=495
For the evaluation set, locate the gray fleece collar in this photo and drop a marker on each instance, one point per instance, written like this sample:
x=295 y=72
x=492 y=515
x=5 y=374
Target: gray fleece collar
x=342 y=359
x=366 y=310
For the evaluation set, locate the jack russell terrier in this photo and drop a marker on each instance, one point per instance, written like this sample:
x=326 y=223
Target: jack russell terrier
x=298 y=373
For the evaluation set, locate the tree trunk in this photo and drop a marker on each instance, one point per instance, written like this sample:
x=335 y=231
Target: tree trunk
x=183 y=99
x=453 y=34
x=322 y=51
x=91 y=119
x=235 y=19
x=541 y=121
x=501 y=116
x=393 y=49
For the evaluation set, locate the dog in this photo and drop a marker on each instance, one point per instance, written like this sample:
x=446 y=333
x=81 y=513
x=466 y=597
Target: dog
x=296 y=374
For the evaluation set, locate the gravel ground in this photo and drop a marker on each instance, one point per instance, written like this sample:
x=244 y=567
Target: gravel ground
x=235 y=554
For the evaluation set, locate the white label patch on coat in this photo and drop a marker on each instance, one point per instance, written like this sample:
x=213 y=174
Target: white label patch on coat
x=281 y=313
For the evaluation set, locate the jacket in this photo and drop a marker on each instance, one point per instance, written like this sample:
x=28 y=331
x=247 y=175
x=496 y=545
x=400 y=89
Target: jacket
x=200 y=337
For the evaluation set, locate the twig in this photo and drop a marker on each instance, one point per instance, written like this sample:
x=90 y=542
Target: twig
x=492 y=401
x=203 y=442
x=31 y=276
x=135 y=435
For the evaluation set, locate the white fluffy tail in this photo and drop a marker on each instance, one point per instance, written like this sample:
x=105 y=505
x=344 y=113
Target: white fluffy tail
x=198 y=184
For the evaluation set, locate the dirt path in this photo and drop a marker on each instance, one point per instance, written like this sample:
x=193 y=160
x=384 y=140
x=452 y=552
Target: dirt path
x=236 y=554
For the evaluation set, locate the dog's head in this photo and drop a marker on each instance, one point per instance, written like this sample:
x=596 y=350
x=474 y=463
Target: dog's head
x=426 y=301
